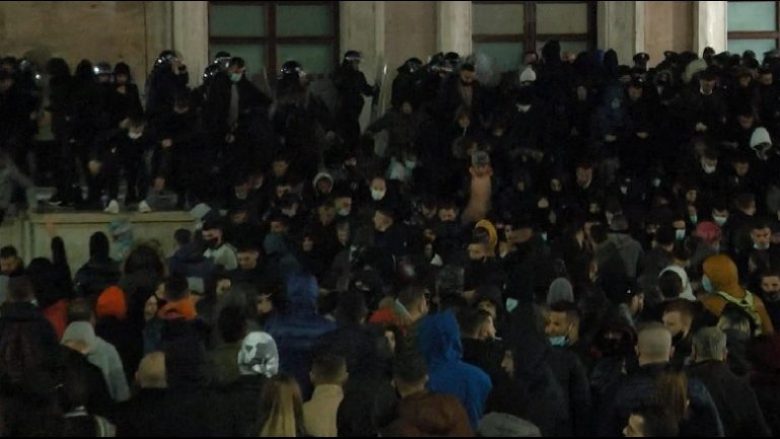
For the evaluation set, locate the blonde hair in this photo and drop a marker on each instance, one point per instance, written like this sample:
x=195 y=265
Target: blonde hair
x=281 y=400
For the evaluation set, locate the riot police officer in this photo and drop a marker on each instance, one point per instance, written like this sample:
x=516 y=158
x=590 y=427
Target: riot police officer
x=168 y=78
x=351 y=85
x=406 y=86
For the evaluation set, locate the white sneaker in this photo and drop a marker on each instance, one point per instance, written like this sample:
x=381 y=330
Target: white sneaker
x=143 y=207
x=113 y=207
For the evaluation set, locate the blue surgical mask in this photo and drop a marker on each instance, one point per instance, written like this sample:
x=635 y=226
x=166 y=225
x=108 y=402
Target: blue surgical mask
x=694 y=219
x=235 y=77
x=559 y=340
x=679 y=234
x=706 y=283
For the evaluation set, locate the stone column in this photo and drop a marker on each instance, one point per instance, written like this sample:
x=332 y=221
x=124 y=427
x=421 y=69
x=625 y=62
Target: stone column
x=621 y=27
x=710 y=26
x=191 y=36
x=454 y=27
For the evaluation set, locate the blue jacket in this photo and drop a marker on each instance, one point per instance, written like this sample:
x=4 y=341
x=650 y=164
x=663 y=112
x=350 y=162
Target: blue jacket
x=297 y=330
x=439 y=341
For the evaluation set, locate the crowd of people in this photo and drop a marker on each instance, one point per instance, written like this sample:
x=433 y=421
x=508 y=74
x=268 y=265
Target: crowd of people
x=574 y=248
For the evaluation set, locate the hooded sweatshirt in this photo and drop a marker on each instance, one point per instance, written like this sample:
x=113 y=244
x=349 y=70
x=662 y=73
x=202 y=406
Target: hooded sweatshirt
x=721 y=272
x=439 y=342
x=103 y=355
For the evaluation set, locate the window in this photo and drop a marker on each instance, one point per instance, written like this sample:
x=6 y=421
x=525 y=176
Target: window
x=266 y=34
x=505 y=29
x=753 y=26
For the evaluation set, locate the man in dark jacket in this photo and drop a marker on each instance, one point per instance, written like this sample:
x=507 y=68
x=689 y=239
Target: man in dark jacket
x=736 y=401
x=169 y=78
x=100 y=271
x=654 y=351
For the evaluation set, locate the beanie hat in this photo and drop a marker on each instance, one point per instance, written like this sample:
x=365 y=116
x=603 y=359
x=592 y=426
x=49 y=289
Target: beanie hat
x=184 y=308
x=708 y=232
x=258 y=355
x=111 y=303
x=560 y=291
x=760 y=135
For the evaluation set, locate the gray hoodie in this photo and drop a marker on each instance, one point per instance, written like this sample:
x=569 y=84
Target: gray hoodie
x=103 y=355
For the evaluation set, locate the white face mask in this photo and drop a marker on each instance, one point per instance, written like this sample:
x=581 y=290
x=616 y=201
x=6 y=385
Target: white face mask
x=720 y=220
x=410 y=163
x=708 y=169
x=135 y=135
x=694 y=219
x=523 y=108
x=679 y=234
x=706 y=283
x=235 y=77
x=377 y=194
x=764 y=246
x=344 y=211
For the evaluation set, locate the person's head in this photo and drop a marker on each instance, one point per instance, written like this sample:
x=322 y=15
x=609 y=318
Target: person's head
x=761 y=234
x=212 y=234
x=584 y=174
x=478 y=250
x=765 y=76
x=447 y=211
x=282 y=404
x=258 y=355
x=741 y=165
x=232 y=324
x=181 y=103
x=121 y=73
x=414 y=299
x=746 y=202
x=343 y=203
x=329 y=369
x=182 y=237
x=21 y=289
x=248 y=255
x=707 y=81
x=678 y=317
x=476 y=324
x=9 y=260
x=654 y=344
x=709 y=344
x=709 y=161
x=352 y=58
x=176 y=288
x=280 y=165
x=635 y=90
x=746 y=120
x=383 y=219
x=236 y=68
x=530 y=57
x=151 y=372
x=80 y=310
x=652 y=420
x=268 y=295
x=98 y=246
x=410 y=374
x=670 y=284
x=378 y=188
x=734 y=319
x=326 y=213
x=467 y=74
x=720 y=213
x=563 y=322
x=770 y=284
x=6 y=81
x=145 y=259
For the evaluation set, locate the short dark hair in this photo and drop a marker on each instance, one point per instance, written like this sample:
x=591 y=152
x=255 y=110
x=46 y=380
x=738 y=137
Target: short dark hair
x=328 y=366
x=176 y=287
x=410 y=368
x=665 y=235
x=658 y=422
x=568 y=308
x=237 y=61
x=79 y=310
x=8 y=251
x=232 y=324
x=760 y=223
x=470 y=320
x=670 y=284
x=182 y=236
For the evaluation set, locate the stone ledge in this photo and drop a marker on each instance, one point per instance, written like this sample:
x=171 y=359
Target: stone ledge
x=102 y=218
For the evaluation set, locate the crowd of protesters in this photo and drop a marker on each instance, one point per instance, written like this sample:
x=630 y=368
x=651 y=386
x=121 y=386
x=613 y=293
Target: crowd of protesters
x=577 y=247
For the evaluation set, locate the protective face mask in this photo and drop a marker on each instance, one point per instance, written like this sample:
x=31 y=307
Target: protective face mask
x=763 y=246
x=344 y=211
x=720 y=220
x=134 y=135
x=235 y=77
x=523 y=108
x=679 y=234
x=559 y=340
x=615 y=104
x=694 y=219
x=656 y=182
x=708 y=169
x=623 y=189
x=377 y=195
x=410 y=163
x=707 y=284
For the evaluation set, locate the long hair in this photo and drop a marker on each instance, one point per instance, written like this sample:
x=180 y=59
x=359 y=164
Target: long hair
x=282 y=403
